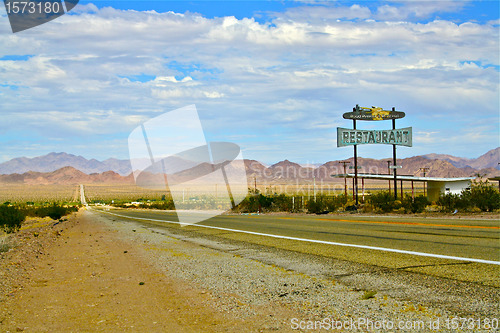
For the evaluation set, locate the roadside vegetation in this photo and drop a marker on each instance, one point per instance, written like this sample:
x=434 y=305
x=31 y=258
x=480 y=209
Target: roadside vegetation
x=13 y=215
x=482 y=197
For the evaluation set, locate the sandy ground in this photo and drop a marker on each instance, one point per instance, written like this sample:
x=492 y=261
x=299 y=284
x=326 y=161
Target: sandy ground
x=78 y=276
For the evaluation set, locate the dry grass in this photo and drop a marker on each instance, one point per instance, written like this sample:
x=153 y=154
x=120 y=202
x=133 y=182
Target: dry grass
x=22 y=193
x=368 y=294
x=121 y=192
x=5 y=243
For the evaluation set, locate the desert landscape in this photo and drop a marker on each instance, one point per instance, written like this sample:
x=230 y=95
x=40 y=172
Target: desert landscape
x=109 y=268
x=249 y=166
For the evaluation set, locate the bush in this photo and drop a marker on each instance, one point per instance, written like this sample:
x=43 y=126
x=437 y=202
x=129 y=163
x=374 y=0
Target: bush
x=11 y=218
x=5 y=245
x=383 y=201
x=450 y=202
x=54 y=211
x=283 y=203
x=415 y=205
x=324 y=204
x=255 y=203
x=484 y=196
x=316 y=206
x=163 y=205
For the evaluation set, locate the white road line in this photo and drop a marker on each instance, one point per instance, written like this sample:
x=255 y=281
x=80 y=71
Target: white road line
x=421 y=254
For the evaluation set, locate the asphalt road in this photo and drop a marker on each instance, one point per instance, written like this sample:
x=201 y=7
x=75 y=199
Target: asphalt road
x=470 y=239
x=475 y=239
x=467 y=238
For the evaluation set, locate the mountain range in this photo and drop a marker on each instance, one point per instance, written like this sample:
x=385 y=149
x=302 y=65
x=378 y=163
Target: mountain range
x=63 y=168
x=54 y=161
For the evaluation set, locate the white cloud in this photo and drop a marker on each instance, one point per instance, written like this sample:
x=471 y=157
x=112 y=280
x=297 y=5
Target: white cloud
x=295 y=75
x=402 y=10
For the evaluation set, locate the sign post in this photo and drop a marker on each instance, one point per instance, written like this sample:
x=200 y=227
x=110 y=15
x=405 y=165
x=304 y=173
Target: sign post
x=355 y=166
x=395 y=164
x=355 y=137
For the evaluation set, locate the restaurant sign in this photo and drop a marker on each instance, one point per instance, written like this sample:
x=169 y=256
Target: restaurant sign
x=350 y=137
x=373 y=113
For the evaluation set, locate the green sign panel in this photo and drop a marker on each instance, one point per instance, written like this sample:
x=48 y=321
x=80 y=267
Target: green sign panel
x=350 y=137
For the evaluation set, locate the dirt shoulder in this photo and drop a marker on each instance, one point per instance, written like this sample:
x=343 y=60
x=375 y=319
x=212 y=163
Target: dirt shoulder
x=78 y=276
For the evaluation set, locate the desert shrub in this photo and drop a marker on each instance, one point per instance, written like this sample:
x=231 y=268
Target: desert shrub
x=484 y=196
x=342 y=199
x=11 y=218
x=324 y=203
x=447 y=201
x=163 y=205
x=315 y=206
x=5 y=245
x=255 y=203
x=383 y=201
x=366 y=208
x=54 y=211
x=450 y=202
x=282 y=203
x=414 y=205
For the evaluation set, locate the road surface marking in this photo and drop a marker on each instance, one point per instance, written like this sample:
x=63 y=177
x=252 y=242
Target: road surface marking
x=421 y=254
x=417 y=223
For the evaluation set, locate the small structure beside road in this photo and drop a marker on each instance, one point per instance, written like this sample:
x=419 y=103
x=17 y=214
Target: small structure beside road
x=435 y=185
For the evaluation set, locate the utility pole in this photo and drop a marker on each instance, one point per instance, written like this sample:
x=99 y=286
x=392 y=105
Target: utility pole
x=345 y=176
x=389 y=172
x=314 y=188
x=424 y=171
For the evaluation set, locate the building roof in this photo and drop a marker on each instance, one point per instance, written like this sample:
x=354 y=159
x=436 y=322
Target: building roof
x=404 y=177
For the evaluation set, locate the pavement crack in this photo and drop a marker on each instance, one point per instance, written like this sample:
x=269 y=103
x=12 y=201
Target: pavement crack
x=434 y=265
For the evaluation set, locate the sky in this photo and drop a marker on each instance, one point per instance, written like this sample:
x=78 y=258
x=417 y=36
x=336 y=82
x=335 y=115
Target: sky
x=273 y=77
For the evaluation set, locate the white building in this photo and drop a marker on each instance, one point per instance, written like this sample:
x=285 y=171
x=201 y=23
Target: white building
x=435 y=186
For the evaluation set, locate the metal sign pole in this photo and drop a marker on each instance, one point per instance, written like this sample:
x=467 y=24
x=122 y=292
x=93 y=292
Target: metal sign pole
x=355 y=167
x=394 y=161
x=354 y=137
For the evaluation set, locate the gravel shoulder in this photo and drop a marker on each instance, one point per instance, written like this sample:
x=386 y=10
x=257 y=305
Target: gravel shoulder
x=85 y=274
x=79 y=276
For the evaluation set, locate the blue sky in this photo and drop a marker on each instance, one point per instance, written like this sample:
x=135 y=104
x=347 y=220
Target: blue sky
x=274 y=77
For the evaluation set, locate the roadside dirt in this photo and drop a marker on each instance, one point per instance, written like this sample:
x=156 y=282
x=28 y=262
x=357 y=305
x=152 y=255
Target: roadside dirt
x=78 y=276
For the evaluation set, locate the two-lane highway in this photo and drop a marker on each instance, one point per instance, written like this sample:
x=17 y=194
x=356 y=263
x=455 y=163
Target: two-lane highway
x=466 y=239
x=452 y=247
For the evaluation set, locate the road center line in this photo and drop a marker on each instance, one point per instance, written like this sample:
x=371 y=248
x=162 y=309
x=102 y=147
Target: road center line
x=421 y=254
x=416 y=223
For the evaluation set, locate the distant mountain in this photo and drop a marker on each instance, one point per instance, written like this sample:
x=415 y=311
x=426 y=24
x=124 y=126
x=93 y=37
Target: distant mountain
x=54 y=161
x=66 y=168
x=485 y=161
x=413 y=166
x=66 y=176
